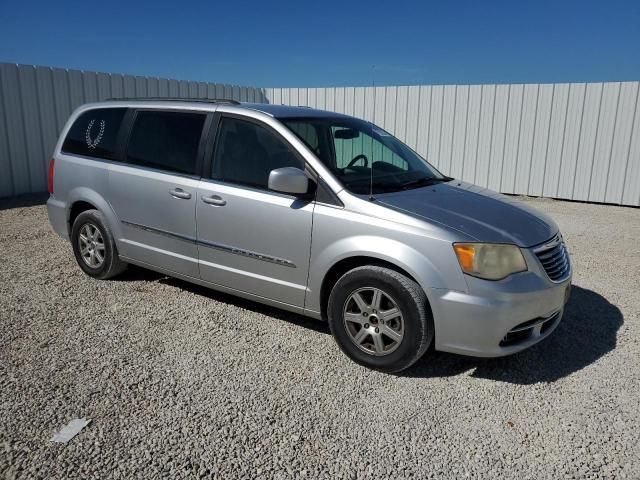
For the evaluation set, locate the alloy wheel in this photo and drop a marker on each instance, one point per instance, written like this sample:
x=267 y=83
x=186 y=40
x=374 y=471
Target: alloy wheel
x=373 y=321
x=91 y=245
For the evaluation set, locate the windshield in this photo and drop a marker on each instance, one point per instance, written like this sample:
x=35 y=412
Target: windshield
x=356 y=151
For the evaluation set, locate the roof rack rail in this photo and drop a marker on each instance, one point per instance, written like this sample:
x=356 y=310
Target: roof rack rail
x=180 y=99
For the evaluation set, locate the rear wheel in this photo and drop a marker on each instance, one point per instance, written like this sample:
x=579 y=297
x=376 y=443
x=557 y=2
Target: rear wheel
x=380 y=318
x=94 y=246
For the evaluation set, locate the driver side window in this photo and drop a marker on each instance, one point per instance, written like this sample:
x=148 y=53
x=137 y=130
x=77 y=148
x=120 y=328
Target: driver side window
x=349 y=148
x=246 y=153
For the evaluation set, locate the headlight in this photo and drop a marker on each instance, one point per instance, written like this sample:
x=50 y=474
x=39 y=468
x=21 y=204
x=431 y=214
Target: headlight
x=490 y=261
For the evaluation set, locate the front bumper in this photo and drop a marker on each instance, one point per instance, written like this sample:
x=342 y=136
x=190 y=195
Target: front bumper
x=479 y=322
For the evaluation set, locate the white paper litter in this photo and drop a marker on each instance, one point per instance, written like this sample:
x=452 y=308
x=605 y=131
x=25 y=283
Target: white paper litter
x=70 y=430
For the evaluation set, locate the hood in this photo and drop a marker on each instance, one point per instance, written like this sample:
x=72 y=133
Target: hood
x=482 y=214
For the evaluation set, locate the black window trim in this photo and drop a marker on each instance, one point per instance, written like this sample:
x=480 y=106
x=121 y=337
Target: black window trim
x=206 y=149
x=332 y=199
x=213 y=144
x=130 y=118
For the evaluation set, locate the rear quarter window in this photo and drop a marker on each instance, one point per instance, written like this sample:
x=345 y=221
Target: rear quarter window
x=95 y=133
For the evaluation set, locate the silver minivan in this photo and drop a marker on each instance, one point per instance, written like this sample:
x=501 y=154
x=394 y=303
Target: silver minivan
x=314 y=212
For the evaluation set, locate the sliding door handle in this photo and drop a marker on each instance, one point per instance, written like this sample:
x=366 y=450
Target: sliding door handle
x=214 y=200
x=180 y=193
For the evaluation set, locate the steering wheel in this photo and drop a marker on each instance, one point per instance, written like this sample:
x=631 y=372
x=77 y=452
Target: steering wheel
x=356 y=158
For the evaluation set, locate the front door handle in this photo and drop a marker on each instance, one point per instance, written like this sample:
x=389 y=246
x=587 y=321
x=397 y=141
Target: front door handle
x=180 y=193
x=214 y=200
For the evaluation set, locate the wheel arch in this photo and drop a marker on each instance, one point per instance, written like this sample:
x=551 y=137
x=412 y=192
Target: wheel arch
x=82 y=199
x=76 y=209
x=346 y=264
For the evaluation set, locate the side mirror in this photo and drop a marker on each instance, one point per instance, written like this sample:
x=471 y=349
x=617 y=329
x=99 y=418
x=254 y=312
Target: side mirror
x=288 y=180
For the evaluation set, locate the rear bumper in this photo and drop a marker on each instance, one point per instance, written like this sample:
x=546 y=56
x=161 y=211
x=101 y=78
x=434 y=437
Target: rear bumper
x=58 y=217
x=525 y=306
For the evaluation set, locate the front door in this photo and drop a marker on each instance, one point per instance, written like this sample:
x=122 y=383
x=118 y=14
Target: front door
x=154 y=193
x=249 y=238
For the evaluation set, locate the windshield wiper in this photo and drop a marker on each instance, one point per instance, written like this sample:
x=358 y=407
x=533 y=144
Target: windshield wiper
x=423 y=182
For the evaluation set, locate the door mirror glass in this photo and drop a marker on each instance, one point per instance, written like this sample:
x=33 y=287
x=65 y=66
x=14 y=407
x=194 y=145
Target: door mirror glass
x=288 y=180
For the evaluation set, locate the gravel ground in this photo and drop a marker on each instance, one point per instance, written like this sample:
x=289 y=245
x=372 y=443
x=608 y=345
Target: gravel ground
x=180 y=381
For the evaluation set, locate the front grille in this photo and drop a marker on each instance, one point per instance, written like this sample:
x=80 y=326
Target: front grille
x=554 y=259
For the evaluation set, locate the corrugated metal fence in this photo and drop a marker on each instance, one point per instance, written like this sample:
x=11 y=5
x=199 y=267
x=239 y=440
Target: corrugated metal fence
x=573 y=141
x=35 y=103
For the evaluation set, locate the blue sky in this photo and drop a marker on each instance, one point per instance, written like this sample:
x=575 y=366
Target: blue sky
x=331 y=43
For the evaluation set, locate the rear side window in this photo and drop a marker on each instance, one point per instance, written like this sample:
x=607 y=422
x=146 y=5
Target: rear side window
x=166 y=140
x=95 y=133
x=247 y=152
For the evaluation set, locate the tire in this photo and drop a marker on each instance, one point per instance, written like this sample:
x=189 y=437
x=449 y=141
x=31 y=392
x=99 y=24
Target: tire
x=102 y=244
x=354 y=322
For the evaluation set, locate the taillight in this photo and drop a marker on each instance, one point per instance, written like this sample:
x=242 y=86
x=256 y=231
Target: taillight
x=50 y=176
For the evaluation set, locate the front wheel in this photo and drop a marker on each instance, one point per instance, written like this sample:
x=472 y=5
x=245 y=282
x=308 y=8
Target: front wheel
x=380 y=318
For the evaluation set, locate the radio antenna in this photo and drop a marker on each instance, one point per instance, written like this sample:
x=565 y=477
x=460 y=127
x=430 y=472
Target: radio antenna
x=373 y=82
